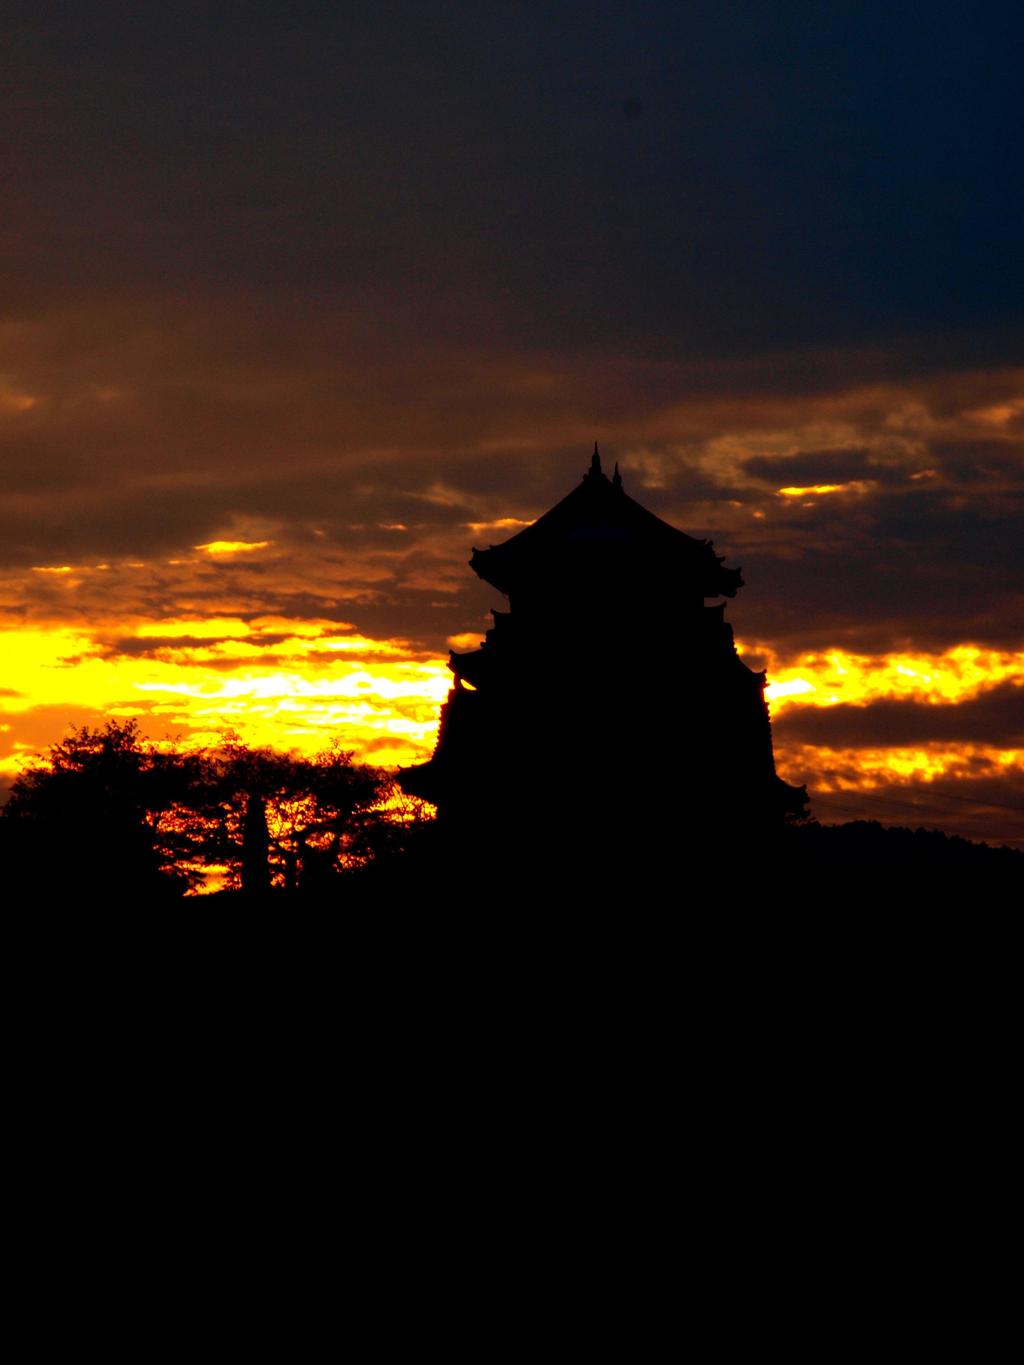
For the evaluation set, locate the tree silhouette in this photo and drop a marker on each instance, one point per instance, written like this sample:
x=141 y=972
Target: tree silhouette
x=107 y=814
x=97 y=817
x=277 y=820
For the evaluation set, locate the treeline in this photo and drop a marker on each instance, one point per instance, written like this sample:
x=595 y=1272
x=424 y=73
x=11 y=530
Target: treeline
x=107 y=814
x=108 y=817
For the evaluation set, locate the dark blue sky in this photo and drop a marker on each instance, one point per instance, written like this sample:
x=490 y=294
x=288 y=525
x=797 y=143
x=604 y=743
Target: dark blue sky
x=685 y=178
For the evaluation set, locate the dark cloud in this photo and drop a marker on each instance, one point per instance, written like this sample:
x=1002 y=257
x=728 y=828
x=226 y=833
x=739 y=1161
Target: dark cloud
x=814 y=467
x=797 y=175
x=916 y=555
x=909 y=559
x=981 y=463
x=892 y=599
x=994 y=717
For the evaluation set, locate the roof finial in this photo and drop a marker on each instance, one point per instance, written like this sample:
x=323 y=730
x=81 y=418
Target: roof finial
x=595 y=462
x=617 y=477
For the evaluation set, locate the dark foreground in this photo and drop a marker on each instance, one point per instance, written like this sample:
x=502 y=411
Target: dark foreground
x=809 y=871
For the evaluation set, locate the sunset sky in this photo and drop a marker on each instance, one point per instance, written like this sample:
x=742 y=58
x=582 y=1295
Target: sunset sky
x=298 y=302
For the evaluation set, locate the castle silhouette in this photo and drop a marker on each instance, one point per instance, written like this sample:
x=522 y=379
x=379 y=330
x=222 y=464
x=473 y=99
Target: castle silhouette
x=608 y=705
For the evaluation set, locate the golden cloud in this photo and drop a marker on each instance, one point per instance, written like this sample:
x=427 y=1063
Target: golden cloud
x=867 y=769
x=817 y=490
x=232 y=547
x=834 y=676
x=290 y=685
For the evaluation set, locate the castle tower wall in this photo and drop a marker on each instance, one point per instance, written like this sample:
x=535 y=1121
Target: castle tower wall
x=608 y=694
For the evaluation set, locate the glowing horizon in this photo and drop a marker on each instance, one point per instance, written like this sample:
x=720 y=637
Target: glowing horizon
x=298 y=685
x=832 y=677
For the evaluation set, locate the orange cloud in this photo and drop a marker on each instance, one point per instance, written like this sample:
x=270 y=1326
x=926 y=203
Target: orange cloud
x=290 y=685
x=834 y=676
x=232 y=547
x=866 y=769
x=817 y=490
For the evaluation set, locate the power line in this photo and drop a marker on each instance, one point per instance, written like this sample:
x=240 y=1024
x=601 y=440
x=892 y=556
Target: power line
x=880 y=801
x=970 y=800
x=838 y=805
x=859 y=811
x=924 y=805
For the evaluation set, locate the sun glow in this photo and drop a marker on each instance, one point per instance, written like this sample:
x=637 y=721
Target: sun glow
x=290 y=685
x=299 y=684
x=816 y=490
x=835 y=676
x=499 y=524
x=232 y=547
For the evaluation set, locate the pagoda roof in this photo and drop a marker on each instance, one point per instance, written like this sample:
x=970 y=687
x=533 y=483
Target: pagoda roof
x=598 y=518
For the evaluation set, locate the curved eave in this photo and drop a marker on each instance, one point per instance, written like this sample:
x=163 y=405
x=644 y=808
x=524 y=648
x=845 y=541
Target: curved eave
x=509 y=573
x=732 y=581
x=471 y=667
x=598 y=525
